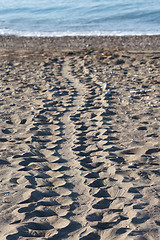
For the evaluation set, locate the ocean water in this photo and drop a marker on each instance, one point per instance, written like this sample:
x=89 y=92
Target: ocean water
x=83 y=17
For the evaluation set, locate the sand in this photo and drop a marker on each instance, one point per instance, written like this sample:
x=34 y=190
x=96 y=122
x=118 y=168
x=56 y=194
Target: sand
x=79 y=138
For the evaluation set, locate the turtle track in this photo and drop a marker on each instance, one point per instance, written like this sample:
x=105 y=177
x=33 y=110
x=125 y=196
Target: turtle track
x=79 y=174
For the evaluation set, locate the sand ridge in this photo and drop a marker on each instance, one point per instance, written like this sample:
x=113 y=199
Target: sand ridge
x=79 y=145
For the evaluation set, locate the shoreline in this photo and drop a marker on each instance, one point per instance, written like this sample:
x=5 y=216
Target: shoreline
x=134 y=43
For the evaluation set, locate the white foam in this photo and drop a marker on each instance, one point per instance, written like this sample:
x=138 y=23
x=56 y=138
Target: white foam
x=5 y=32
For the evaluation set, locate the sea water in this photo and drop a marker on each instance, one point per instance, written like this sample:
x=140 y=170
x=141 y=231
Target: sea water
x=79 y=17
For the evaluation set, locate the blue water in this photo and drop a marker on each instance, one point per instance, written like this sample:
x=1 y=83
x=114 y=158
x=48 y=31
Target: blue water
x=82 y=17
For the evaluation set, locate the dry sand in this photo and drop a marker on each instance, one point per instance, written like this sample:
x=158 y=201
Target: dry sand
x=79 y=138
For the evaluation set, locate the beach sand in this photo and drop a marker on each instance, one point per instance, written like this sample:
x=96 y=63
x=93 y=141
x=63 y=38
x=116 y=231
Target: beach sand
x=79 y=138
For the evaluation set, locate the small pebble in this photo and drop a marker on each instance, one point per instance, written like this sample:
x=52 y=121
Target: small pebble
x=134 y=141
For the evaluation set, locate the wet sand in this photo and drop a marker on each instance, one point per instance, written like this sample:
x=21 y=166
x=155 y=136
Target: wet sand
x=79 y=138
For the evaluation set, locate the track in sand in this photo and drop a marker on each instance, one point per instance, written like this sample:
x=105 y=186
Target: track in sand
x=79 y=145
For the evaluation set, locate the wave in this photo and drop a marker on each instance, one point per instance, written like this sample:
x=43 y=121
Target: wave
x=5 y=32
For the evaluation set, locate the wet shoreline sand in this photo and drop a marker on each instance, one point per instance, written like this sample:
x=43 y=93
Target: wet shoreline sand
x=79 y=138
